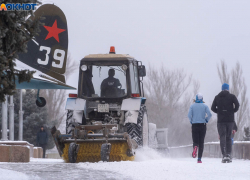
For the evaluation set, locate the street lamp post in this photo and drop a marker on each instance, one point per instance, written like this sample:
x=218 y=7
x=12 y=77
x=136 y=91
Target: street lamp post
x=11 y=119
x=4 y=119
x=20 y=135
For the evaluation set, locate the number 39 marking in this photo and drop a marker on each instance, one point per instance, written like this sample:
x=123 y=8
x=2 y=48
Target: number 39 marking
x=55 y=56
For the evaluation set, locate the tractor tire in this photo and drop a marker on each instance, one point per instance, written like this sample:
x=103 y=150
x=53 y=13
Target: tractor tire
x=105 y=152
x=72 y=152
x=136 y=130
x=69 y=122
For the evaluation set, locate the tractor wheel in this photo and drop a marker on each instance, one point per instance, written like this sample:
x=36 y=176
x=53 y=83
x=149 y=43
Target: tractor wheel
x=69 y=122
x=136 y=130
x=105 y=151
x=72 y=152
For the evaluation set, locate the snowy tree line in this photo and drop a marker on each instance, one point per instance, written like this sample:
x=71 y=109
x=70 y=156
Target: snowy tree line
x=171 y=92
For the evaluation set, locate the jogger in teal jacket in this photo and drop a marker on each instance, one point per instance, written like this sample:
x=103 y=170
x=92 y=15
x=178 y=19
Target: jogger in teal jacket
x=199 y=114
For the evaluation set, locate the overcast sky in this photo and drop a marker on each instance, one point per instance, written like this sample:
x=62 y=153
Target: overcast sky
x=193 y=35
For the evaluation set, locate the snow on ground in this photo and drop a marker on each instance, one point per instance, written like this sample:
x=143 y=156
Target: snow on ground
x=18 y=173
x=43 y=160
x=151 y=165
x=51 y=169
x=12 y=175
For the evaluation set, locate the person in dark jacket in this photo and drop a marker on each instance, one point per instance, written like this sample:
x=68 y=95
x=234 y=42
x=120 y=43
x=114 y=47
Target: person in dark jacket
x=225 y=105
x=42 y=140
x=110 y=85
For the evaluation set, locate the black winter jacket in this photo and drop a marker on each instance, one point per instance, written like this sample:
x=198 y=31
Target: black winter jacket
x=225 y=105
x=42 y=138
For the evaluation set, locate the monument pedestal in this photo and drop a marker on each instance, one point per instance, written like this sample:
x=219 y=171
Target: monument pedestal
x=15 y=151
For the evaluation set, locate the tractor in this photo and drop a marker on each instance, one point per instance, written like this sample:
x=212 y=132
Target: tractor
x=107 y=119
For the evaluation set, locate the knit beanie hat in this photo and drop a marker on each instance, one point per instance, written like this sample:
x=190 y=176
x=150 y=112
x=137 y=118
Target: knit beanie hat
x=199 y=98
x=225 y=86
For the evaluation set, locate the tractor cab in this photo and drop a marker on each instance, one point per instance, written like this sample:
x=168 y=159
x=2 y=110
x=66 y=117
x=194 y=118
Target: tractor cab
x=105 y=80
x=110 y=77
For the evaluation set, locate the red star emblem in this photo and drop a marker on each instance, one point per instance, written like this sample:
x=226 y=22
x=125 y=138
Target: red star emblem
x=53 y=31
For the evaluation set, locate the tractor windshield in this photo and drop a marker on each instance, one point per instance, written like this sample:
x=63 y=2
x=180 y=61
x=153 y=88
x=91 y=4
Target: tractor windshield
x=103 y=81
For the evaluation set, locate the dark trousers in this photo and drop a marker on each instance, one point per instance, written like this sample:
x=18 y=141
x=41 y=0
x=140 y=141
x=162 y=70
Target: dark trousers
x=198 y=135
x=44 y=149
x=225 y=132
x=232 y=137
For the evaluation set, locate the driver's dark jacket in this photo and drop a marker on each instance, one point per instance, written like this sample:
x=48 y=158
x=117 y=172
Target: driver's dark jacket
x=109 y=86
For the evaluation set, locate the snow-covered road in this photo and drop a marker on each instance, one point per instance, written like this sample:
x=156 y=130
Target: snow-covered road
x=151 y=165
x=148 y=165
x=177 y=169
x=51 y=169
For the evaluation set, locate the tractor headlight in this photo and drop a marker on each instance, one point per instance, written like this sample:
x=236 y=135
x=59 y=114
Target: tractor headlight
x=124 y=67
x=84 y=68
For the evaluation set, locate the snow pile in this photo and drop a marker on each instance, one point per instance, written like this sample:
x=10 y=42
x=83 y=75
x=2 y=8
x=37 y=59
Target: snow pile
x=146 y=153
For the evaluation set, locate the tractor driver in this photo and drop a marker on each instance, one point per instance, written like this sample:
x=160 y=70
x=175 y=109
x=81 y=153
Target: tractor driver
x=109 y=86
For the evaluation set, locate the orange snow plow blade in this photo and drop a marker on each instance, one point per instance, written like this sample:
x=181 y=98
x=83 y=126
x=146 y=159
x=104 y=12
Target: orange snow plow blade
x=90 y=152
x=89 y=148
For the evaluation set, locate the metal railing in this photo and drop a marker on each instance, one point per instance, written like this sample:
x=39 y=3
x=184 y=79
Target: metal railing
x=240 y=150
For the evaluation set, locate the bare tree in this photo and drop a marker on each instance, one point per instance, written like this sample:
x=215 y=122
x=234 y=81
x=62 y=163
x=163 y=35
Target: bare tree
x=169 y=96
x=222 y=71
x=239 y=89
x=56 y=97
